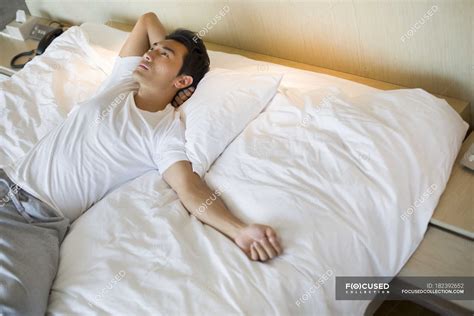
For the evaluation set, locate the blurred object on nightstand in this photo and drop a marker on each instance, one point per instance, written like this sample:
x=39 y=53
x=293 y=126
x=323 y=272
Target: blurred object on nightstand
x=10 y=47
x=8 y=9
x=21 y=27
x=468 y=158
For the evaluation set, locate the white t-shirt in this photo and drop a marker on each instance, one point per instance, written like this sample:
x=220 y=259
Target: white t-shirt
x=103 y=143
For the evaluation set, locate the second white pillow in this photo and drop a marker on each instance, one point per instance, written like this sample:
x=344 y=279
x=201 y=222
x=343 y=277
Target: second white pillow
x=224 y=102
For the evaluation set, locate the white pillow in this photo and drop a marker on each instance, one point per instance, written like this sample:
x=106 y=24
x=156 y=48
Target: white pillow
x=100 y=35
x=224 y=102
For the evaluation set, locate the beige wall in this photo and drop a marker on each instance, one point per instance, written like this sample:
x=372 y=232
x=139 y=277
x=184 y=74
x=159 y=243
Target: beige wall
x=427 y=44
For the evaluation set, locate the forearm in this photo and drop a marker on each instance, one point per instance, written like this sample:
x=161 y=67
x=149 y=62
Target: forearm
x=259 y=242
x=154 y=29
x=209 y=208
x=146 y=31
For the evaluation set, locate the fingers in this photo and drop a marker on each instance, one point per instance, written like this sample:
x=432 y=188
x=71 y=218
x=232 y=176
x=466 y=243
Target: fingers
x=186 y=93
x=176 y=102
x=271 y=252
x=261 y=252
x=253 y=253
x=189 y=91
x=273 y=238
x=182 y=96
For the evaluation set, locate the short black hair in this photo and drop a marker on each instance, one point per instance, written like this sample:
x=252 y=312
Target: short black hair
x=196 y=62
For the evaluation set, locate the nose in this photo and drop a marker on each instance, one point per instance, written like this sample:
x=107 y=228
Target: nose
x=147 y=57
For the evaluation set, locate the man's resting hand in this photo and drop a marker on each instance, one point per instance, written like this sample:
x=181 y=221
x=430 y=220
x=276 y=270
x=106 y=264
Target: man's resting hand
x=259 y=242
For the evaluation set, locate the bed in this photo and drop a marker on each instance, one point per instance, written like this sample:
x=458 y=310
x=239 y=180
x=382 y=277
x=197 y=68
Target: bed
x=334 y=180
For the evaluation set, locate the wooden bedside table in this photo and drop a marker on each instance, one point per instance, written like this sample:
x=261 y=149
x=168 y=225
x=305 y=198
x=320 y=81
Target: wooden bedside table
x=11 y=47
x=442 y=253
x=455 y=210
x=448 y=247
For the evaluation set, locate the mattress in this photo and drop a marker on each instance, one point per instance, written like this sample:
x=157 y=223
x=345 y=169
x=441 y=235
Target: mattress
x=334 y=166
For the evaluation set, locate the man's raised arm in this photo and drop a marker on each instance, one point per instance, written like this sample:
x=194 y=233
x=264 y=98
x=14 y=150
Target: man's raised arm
x=147 y=30
x=259 y=242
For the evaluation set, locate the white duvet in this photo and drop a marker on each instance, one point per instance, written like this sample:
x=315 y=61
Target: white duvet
x=340 y=170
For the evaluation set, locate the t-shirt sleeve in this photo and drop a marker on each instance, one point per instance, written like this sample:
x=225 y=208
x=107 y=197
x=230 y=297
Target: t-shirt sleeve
x=171 y=147
x=122 y=71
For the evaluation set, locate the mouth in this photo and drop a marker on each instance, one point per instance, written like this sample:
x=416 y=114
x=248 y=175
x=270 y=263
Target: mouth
x=144 y=66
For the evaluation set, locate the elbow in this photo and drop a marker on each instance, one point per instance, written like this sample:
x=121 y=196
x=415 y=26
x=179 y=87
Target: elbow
x=149 y=15
x=192 y=186
x=183 y=180
x=193 y=190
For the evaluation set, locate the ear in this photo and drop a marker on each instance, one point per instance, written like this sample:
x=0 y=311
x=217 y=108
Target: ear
x=183 y=81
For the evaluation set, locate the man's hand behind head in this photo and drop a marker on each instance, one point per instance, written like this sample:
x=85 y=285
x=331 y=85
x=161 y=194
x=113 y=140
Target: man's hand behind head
x=182 y=96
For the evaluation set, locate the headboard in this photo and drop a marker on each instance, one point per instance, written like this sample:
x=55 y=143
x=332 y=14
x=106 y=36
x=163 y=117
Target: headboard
x=462 y=107
x=426 y=44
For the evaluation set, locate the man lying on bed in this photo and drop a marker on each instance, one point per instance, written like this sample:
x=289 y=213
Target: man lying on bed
x=126 y=129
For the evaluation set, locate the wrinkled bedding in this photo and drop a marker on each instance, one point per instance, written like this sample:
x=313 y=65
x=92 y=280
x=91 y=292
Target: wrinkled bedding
x=331 y=164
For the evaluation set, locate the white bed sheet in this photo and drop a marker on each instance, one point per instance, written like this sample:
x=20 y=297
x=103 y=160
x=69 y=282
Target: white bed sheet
x=331 y=164
x=38 y=98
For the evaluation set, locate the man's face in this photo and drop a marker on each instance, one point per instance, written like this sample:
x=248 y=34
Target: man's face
x=160 y=65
